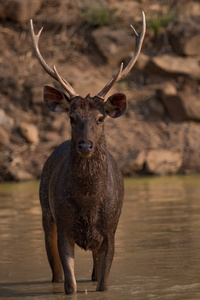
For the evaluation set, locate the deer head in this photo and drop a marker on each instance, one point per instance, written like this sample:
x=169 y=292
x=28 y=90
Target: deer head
x=87 y=114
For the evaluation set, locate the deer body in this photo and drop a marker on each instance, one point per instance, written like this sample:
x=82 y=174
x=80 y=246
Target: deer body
x=81 y=190
x=85 y=198
x=81 y=194
x=84 y=209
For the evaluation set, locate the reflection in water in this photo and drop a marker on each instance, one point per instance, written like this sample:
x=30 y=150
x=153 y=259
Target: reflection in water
x=157 y=244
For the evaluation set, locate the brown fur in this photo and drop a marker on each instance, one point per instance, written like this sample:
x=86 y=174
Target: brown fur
x=81 y=194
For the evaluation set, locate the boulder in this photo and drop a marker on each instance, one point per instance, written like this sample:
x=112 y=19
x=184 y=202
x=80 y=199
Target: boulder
x=180 y=106
x=142 y=61
x=20 y=175
x=37 y=96
x=29 y=132
x=133 y=163
x=172 y=65
x=163 y=162
x=172 y=102
x=155 y=109
x=6 y=121
x=4 y=137
x=19 y=10
x=191 y=146
x=191 y=8
x=14 y=168
x=184 y=36
x=191 y=104
x=52 y=136
x=167 y=90
x=114 y=44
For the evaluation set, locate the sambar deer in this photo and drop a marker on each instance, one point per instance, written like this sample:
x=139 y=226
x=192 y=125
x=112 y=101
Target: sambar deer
x=81 y=190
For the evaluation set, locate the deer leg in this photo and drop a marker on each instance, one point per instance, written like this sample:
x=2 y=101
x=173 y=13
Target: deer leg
x=94 y=272
x=66 y=250
x=104 y=262
x=50 y=230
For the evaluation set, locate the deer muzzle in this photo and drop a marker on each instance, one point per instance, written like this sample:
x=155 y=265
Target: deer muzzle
x=85 y=148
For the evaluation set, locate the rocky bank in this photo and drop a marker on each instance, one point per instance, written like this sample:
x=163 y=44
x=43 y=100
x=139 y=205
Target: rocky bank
x=87 y=40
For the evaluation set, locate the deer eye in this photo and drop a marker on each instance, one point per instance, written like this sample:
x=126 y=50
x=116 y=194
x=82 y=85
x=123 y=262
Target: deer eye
x=100 y=120
x=72 y=120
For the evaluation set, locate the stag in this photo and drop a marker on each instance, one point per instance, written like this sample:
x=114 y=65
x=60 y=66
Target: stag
x=81 y=189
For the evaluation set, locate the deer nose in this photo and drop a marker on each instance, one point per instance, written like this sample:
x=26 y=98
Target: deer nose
x=85 y=147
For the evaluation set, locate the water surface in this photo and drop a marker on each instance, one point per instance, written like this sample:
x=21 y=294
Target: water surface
x=157 y=244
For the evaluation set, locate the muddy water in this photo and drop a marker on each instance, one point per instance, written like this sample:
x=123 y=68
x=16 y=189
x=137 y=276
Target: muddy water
x=157 y=244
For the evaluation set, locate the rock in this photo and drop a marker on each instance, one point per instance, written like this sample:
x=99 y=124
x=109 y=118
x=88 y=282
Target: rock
x=29 y=132
x=191 y=8
x=133 y=163
x=191 y=146
x=191 y=103
x=5 y=121
x=20 y=175
x=170 y=65
x=19 y=10
x=14 y=169
x=172 y=102
x=162 y=162
x=142 y=61
x=4 y=137
x=184 y=36
x=167 y=90
x=175 y=108
x=156 y=109
x=114 y=44
x=58 y=123
x=180 y=106
x=52 y=136
x=37 y=96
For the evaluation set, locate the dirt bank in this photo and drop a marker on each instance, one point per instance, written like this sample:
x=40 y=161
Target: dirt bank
x=160 y=132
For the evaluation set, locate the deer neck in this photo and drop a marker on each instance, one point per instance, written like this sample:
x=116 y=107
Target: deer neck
x=91 y=166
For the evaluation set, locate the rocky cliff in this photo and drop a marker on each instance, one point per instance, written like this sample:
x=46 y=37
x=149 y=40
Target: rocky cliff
x=87 y=40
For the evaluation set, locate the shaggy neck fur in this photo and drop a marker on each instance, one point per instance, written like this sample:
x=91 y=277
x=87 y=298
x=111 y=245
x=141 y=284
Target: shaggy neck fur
x=89 y=167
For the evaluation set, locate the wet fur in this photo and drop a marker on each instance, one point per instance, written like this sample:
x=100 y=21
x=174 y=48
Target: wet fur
x=81 y=200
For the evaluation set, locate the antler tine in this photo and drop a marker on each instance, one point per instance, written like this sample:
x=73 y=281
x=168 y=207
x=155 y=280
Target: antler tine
x=52 y=73
x=138 y=45
x=108 y=86
x=65 y=84
x=35 y=41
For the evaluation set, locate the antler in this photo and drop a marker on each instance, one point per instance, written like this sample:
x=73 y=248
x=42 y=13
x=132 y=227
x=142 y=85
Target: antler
x=53 y=73
x=121 y=74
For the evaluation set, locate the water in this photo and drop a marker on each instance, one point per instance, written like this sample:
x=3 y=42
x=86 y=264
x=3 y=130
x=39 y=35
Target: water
x=157 y=244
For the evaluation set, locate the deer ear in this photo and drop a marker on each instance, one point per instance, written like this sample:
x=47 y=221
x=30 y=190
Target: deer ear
x=55 y=100
x=115 y=106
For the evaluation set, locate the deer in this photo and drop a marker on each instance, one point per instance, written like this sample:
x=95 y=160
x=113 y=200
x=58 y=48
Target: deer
x=81 y=188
